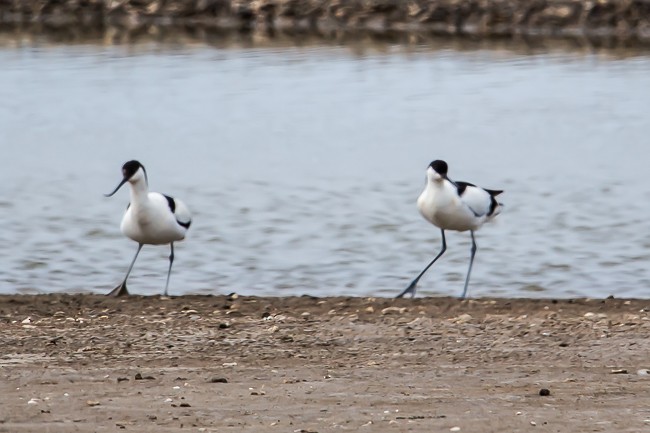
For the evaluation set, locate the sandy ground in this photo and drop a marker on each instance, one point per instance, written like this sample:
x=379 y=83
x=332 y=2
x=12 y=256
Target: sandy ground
x=84 y=363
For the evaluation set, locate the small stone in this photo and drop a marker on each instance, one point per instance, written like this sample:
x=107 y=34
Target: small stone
x=643 y=372
x=218 y=380
x=394 y=310
x=229 y=364
x=122 y=379
x=544 y=392
x=92 y=403
x=224 y=325
x=463 y=318
x=138 y=376
x=185 y=405
x=594 y=316
x=26 y=321
x=370 y=309
x=533 y=423
x=619 y=371
x=33 y=401
x=455 y=428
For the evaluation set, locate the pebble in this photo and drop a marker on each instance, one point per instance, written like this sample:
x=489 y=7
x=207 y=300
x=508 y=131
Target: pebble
x=33 y=401
x=229 y=364
x=463 y=318
x=394 y=310
x=643 y=372
x=594 y=316
x=218 y=380
x=544 y=392
x=92 y=403
x=455 y=428
x=618 y=371
x=533 y=423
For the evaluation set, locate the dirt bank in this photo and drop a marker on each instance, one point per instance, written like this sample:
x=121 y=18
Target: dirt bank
x=90 y=363
x=623 y=19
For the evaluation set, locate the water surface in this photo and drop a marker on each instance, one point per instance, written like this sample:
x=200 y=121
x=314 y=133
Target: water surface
x=302 y=166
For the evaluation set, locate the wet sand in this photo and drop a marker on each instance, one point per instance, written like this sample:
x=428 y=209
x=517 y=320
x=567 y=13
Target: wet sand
x=84 y=363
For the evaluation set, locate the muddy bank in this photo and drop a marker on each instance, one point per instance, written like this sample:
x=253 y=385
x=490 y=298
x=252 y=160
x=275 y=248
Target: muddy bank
x=628 y=19
x=218 y=363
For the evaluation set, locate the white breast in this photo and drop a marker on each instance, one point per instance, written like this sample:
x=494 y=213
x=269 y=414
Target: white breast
x=151 y=221
x=440 y=204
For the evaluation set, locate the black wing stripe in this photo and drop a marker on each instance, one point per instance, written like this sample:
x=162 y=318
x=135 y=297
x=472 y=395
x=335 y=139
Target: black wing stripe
x=493 y=205
x=462 y=186
x=171 y=203
x=186 y=225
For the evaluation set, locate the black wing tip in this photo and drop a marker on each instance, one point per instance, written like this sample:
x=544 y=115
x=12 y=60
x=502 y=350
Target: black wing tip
x=186 y=225
x=494 y=192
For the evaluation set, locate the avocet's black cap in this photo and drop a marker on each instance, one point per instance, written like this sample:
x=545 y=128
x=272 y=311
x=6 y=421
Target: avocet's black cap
x=439 y=166
x=128 y=170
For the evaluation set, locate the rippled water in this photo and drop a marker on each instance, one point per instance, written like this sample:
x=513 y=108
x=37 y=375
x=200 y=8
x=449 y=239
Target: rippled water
x=302 y=166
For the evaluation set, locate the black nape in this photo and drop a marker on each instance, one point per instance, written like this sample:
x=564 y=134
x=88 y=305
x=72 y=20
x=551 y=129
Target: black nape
x=439 y=166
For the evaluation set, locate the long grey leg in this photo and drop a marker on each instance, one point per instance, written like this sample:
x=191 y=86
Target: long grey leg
x=471 y=262
x=121 y=289
x=169 y=272
x=411 y=288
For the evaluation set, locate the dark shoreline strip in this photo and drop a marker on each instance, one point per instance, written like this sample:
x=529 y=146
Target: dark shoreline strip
x=619 y=19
